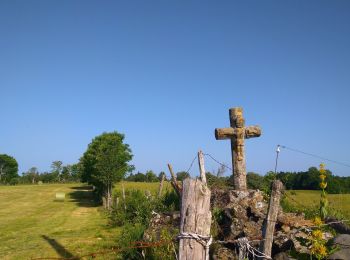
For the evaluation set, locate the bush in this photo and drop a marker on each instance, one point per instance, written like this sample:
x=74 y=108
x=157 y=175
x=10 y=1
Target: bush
x=14 y=181
x=164 y=251
x=169 y=202
x=129 y=235
x=138 y=209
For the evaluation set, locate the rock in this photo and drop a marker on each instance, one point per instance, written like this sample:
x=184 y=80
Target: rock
x=342 y=254
x=243 y=213
x=282 y=256
x=282 y=242
x=222 y=253
x=338 y=226
x=341 y=241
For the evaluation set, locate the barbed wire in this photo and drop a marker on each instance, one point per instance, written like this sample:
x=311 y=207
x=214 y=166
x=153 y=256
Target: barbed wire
x=218 y=162
x=138 y=244
x=315 y=155
x=189 y=168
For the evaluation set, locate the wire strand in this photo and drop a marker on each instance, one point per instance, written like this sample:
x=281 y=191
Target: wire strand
x=215 y=160
x=315 y=155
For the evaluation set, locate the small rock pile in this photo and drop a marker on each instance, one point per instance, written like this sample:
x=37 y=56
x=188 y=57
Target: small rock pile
x=243 y=215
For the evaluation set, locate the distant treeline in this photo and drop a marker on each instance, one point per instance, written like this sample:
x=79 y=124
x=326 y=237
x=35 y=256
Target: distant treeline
x=59 y=173
x=308 y=180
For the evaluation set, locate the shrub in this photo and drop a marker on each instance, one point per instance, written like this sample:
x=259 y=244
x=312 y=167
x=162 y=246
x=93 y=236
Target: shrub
x=129 y=234
x=167 y=249
x=169 y=202
x=138 y=209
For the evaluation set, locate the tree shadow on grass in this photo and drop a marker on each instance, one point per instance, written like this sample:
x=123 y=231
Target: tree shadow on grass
x=85 y=187
x=61 y=250
x=83 y=197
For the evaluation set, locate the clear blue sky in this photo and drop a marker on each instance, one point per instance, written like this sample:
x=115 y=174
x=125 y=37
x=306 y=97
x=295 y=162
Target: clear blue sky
x=165 y=73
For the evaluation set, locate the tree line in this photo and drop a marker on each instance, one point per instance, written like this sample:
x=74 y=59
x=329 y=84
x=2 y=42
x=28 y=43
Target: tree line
x=59 y=173
x=106 y=162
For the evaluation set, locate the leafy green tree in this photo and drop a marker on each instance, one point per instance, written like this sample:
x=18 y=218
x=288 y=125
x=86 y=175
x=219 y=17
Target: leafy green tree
x=56 y=167
x=8 y=168
x=32 y=174
x=255 y=181
x=151 y=177
x=75 y=172
x=106 y=162
x=180 y=176
x=66 y=173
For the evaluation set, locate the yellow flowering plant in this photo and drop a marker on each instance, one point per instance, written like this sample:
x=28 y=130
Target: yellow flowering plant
x=323 y=186
x=318 y=243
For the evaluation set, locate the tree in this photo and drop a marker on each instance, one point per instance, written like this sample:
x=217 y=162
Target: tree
x=8 y=168
x=66 y=173
x=180 y=176
x=221 y=170
x=255 y=181
x=151 y=177
x=106 y=162
x=32 y=174
x=56 y=167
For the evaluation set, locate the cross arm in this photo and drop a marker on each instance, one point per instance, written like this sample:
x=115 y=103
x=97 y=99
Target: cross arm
x=224 y=133
x=252 y=131
x=229 y=132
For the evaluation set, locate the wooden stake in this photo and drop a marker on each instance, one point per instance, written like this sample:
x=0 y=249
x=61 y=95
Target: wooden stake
x=201 y=167
x=123 y=190
x=161 y=186
x=174 y=181
x=269 y=229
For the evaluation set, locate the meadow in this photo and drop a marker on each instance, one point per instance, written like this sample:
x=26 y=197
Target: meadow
x=34 y=225
x=339 y=204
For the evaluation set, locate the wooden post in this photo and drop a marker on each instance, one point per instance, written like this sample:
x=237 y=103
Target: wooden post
x=237 y=133
x=269 y=229
x=161 y=186
x=123 y=193
x=195 y=218
x=201 y=167
x=174 y=181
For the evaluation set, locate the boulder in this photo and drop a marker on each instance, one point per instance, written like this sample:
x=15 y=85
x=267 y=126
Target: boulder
x=341 y=241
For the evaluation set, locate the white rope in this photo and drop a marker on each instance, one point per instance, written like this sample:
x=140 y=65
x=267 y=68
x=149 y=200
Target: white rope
x=245 y=248
x=205 y=241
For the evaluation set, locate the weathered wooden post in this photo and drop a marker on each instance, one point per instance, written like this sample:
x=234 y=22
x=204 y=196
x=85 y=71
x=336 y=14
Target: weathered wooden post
x=123 y=194
x=269 y=228
x=161 y=185
x=237 y=133
x=174 y=180
x=195 y=224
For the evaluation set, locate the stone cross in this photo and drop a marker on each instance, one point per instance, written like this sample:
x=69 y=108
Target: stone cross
x=237 y=133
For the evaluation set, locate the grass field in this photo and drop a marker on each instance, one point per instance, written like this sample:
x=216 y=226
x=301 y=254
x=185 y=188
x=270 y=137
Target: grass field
x=34 y=225
x=310 y=198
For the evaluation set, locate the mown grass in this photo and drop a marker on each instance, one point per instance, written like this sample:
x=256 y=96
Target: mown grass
x=307 y=199
x=34 y=225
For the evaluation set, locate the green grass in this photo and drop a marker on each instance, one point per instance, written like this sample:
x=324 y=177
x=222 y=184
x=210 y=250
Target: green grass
x=34 y=225
x=339 y=203
x=153 y=187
